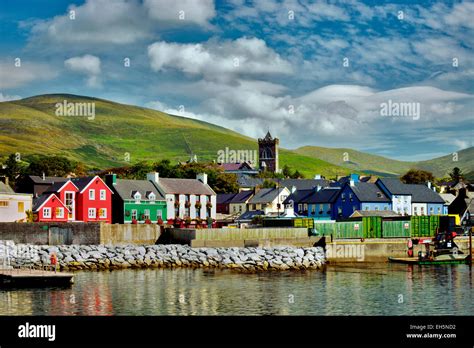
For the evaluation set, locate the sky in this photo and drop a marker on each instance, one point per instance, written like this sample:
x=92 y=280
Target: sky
x=392 y=78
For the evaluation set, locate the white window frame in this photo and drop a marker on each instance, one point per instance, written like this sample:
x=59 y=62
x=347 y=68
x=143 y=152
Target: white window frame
x=61 y=210
x=159 y=214
x=92 y=195
x=103 y=195
x=103 y=213
x=152 y=197
x=89 y=215
x=146 y=214
x=48 y=214
x=134 y=212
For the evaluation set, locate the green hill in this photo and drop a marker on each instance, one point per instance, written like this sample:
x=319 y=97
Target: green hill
x=379 y=165
x=30 y=126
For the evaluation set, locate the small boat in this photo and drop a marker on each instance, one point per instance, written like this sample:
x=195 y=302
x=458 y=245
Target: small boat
x=446 y=252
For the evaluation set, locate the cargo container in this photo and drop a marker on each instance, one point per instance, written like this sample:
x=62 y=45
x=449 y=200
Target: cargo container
x=434 y=225
x=420 y=226
x=372 y=226
x=324 y=228
x=349 y=229
x=303 y=222
x=396 y=229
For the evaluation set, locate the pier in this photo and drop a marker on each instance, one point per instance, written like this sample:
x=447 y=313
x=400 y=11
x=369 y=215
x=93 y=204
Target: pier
x=28 y=277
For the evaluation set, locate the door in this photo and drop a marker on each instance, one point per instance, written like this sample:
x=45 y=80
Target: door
x=60 y=235
x=70 y=202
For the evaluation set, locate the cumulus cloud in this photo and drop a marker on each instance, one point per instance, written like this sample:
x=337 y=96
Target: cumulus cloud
x=88 y=65
x=119 y=21
x=12 y=76
x=244 y=56
x=199 y=12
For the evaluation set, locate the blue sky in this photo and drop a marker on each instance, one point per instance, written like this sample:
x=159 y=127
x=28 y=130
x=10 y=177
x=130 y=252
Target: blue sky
x=312 y=72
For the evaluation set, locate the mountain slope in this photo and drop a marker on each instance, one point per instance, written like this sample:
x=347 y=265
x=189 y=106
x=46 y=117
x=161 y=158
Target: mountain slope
x=361 y=161
x=31 y=126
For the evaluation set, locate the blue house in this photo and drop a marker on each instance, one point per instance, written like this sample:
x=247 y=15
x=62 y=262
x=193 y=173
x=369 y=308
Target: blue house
x=357 y=195
x=295 y=201
x=321 y=204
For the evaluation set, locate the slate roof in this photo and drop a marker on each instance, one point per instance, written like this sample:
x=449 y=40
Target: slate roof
x=245 y=180
x=126 y=188
x=55 y=187
x=242 y=197
x=298 y=196
x=266 y=195
x=47 y=179
x=225 y=198
x=304 y=184
x=81 y=183
x=447 y=197
x=40 y=200
x=184 y=186
x=419 y=193
x=248 y=215
x=4 y=188
x=328 y=195
x=368 y=192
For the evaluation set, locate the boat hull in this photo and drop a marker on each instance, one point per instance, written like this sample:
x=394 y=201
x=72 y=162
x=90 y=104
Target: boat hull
x=440 y=260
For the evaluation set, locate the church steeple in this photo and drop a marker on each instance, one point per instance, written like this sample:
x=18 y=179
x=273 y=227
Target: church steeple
x=268 y=153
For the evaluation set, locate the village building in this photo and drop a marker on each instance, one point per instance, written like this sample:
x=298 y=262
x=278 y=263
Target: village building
x=186 y=198
x=49 y=208
x=268 y=158
x=269 y=200
x=37 y=185
x=136 y=201
x=13 y=206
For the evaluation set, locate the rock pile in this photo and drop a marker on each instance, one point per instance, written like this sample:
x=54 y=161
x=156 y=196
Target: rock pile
x=104 y=257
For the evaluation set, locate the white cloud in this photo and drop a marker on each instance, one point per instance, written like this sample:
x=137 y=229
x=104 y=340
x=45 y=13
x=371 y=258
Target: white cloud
x=13 y=77
x=199 y=12
x=88 y=65
x=244 y=56
x=119 y=21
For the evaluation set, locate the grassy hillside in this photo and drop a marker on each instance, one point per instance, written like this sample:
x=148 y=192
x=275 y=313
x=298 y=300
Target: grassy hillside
x=364 y=162
x=30 y=126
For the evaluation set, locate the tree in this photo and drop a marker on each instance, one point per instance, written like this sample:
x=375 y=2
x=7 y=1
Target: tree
x=417 y=176
x=269 y=184
x=51 y=166
x=13 y=167
x=297 y=175
x=286 y=171
x=456 y=174
x=226 y=183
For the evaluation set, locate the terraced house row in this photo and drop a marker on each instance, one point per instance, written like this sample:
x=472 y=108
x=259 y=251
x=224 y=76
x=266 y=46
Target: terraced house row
x=91 y=199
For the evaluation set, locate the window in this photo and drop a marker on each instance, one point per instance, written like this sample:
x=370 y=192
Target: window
x=339 y=210
x=137 y=196
x=152 y=197
x=159 y=214
x=343 y=196
x=103 y=195
x=376 y=208
x=366 y=208
x=313 y=209
x=59 y=212
x=21 y=207
x=134 y=214
x=439 y=210
x=350 y=196
x=305 y=207
x=47 y=213
x=300 y=207
x=386 y=208
x=69 y=203
x=92 y=195
x=3 y=203
x=240 y=208
x=91 y=213
x=431 y=210
x=146 y=214
x=103 y=213
x=234 y=209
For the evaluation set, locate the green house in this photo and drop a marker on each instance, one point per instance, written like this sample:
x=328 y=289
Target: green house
x=137 y=200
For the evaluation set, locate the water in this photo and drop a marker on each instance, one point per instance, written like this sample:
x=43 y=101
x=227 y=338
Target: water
x=381 y=289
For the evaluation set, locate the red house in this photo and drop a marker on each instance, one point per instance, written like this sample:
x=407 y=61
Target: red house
x=93 y=200
x=48 y=207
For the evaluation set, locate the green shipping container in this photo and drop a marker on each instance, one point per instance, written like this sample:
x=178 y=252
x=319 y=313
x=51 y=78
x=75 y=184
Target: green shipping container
x=396 y=229
x=434 y=224
x=349 y=229
x=420 y=226
x=372 y=226
x=324 y=229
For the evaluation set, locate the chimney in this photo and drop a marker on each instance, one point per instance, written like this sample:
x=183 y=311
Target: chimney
x=44 y=177
x=293 y=189
x=202 y=177
x=111 y=179
x=318 y=188
x=428 y=183
x=354 y=177
x=351 y=182
x=154 y=177
x=317 y=177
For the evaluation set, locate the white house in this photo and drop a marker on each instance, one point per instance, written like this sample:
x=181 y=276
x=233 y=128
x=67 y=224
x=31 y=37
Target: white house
x=192 y=198
x=13 y=206
x=269 y=200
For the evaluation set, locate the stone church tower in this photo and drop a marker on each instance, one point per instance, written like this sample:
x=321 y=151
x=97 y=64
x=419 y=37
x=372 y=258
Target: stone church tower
x=268 y=153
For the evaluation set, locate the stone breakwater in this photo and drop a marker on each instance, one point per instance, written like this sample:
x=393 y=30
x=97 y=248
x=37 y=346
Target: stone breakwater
x=103 y=257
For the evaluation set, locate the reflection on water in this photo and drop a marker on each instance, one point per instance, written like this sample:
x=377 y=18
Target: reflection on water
x=382 y=289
